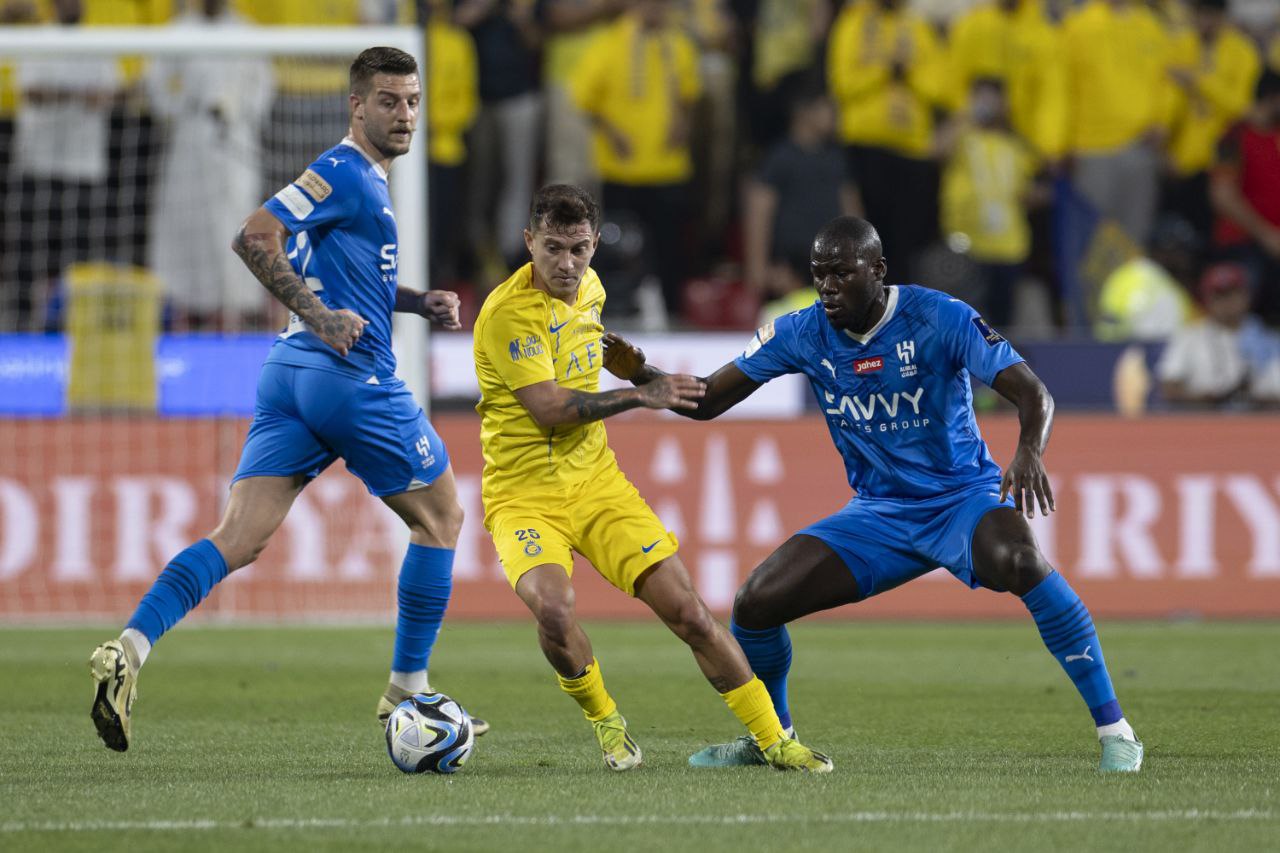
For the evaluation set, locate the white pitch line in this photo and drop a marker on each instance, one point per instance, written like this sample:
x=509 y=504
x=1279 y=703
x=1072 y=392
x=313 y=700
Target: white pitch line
x=630 y=820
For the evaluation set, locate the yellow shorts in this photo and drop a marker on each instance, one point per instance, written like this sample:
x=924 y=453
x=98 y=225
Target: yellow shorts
x=603 y=518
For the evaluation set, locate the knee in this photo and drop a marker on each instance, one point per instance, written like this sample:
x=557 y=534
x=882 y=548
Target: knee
x=555 y=617
x=694 y=624
x=1019 y=568
x=749 y=607
x=439 y=528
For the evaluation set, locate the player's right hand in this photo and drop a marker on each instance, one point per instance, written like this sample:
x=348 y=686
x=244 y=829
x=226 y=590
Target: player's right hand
x=339 y=329
x=675 y=391
x=621 y=357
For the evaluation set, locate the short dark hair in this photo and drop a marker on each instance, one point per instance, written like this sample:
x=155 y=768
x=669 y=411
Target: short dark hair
x=563 y=206
x=858 y=234
x=379 y=60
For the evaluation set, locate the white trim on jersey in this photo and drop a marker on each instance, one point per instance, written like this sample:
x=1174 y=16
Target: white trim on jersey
x=889 y=310
x=351 y=143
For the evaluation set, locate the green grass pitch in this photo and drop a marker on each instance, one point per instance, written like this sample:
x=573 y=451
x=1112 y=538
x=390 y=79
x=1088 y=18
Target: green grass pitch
x=945 y=736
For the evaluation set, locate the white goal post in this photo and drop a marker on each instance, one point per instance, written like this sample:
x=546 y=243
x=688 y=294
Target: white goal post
x=408 y=175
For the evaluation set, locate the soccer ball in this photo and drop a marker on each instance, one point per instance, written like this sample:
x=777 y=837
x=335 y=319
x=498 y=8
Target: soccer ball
x=429 y=731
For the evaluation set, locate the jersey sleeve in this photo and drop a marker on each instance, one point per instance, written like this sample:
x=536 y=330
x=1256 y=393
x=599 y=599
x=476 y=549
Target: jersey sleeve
x=515 y=341
x=327 y=193
x=971 y=343
x=771 y=351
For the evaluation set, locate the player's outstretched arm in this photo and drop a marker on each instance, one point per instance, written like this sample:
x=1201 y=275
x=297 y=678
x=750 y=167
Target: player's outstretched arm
x=260 y=244
x=438 y=306
x=1025 y=477
x=551 y=404
x=725 y=388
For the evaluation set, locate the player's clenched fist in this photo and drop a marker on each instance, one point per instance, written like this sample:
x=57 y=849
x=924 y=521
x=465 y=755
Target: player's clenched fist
x=678 y=391
x=441 y=306
x=340 y=329
x=621 y=357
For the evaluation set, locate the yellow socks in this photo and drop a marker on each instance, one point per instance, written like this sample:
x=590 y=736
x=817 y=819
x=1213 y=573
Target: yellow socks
x=751 y=704
x=588 y=691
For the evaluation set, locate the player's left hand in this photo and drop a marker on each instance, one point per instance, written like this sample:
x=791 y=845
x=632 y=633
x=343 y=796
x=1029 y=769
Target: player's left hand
x=441 y=306
x=622 y=358
x=1026 y=480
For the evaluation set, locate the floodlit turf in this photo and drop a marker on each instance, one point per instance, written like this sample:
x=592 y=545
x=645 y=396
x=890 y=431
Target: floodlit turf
x=944 y=737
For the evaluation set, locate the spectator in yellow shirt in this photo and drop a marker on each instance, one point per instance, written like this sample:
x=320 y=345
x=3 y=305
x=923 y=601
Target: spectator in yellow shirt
x=987 y=182
x=785 y=37
x=1215 y=68
x=885 y=72
x=453 y=99
x=1118 y=94
x=1015 y=42
x=569 y=26
x=638 y=81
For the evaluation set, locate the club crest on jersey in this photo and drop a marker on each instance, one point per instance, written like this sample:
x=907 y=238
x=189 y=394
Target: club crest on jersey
x=906 y=353
x=873 y=364
x=990 y=335
x=314 y=185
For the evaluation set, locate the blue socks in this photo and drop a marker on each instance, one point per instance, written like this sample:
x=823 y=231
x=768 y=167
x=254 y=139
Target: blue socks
x=769 y=653
x=182 y=585
x=1067 y=629
x=426 y=579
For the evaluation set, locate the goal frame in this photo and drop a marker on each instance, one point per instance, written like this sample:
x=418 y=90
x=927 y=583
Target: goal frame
x=408 y=176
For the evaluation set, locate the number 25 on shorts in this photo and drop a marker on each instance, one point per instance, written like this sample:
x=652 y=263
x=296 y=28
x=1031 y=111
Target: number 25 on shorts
x=529 y=537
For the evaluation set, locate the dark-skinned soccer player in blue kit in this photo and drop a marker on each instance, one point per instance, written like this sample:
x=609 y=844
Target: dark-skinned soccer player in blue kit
x=890 y=366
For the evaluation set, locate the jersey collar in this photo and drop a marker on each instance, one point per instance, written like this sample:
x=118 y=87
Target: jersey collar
x=351 y=143
x=890 y=306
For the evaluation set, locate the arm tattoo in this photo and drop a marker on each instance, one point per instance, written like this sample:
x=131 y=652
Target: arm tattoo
x=263 y=256
x=595 y=407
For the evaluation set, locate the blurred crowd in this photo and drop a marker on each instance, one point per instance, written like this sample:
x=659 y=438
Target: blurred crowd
x=1105 y=165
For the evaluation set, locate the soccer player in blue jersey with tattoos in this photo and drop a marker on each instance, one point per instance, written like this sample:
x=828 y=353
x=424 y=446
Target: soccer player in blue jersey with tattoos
x=326 y=246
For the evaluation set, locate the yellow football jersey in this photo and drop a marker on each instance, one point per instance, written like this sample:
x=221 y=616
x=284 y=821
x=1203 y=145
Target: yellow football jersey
x=524 y=336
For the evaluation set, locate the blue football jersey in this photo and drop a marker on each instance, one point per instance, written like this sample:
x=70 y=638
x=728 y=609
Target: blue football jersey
x=897 y=400
x=344 y=246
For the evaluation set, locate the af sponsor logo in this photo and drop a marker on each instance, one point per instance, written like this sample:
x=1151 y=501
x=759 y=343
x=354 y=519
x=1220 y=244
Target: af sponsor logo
x=907 y=354
x=528 y=348
x=897 y=412
x=424 y=450
x=990 y=335
x=871 y=364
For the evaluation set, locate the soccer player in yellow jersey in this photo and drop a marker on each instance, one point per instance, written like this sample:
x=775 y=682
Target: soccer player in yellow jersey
x=552 y=486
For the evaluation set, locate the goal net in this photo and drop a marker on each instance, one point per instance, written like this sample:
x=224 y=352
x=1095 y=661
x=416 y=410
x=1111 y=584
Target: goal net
x=131 y=335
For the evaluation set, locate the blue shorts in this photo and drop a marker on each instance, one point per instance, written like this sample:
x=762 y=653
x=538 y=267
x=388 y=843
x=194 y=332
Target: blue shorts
x=305 y=418
x=886 y=543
